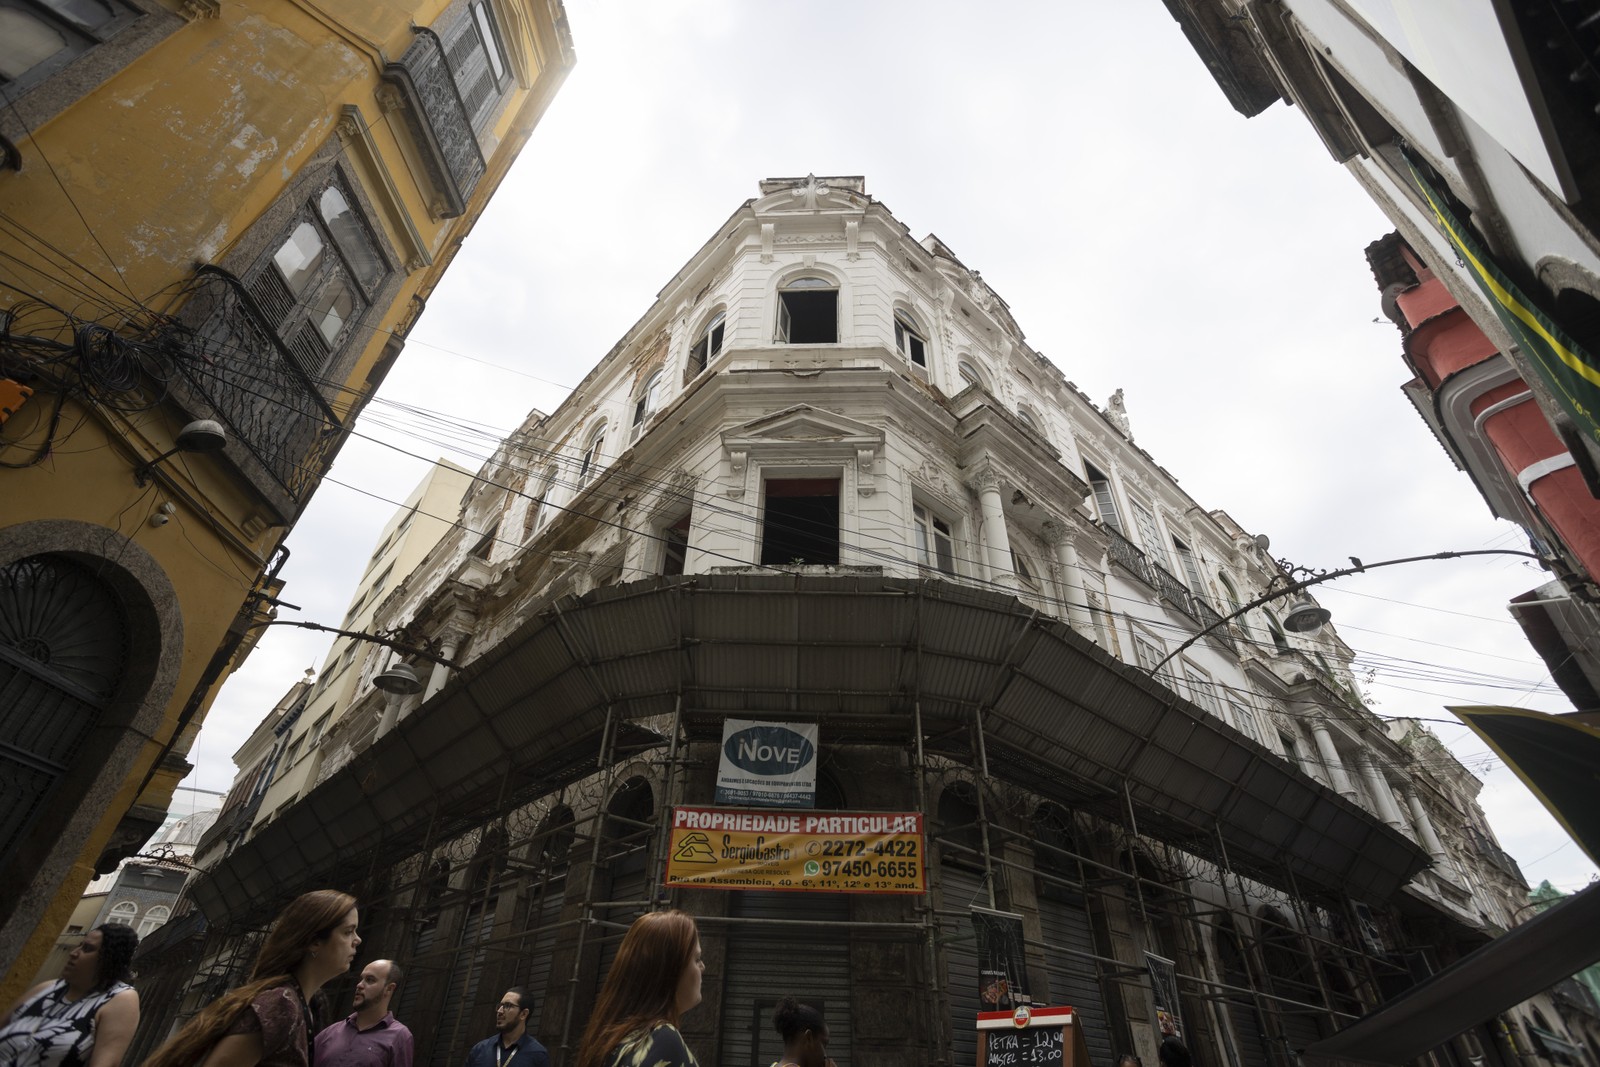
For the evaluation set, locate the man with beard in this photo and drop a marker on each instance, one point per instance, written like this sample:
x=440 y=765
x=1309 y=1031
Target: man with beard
x=513 y=1046
x=370 y=1036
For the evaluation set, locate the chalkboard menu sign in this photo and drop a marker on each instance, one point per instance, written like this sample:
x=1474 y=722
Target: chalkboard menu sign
x=1030 y=1037
x=1039 y=1046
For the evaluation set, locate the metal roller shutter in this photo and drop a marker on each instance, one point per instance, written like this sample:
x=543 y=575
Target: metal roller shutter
x=536 y=951
x=1248 y=1031
x=809 y=963
x=961 y=888
x=1074 y=979
x=462 y=1016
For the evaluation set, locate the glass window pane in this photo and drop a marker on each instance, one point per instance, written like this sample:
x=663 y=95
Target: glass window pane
x=333 y=310
x=87 y=13
x=300 y=257
x=352 y=238
x=25 y=42
x=490 y=45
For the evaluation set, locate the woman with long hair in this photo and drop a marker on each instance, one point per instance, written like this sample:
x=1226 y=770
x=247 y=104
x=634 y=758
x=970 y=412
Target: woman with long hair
x=653 y=981
x=804 y=1033
x=84 y=1019
x=267 y=1021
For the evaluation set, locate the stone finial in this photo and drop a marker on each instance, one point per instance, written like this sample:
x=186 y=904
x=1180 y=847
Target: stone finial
x=1117 y=412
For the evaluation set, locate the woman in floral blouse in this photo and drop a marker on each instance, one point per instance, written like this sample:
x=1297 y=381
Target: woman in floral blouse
x=654 y=980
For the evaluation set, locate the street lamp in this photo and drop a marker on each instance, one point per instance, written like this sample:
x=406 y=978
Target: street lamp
x=1304 y=616
x=398 y=678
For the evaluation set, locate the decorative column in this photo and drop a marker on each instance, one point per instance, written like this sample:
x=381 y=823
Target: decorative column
x=1331 y=760
x=441 y=673
x=1424 y=825
x=1060 y=539
x=1382 y=796
x=997 y=542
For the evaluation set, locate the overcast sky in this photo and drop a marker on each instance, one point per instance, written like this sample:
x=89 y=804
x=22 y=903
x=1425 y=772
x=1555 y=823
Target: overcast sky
x=1145 y=235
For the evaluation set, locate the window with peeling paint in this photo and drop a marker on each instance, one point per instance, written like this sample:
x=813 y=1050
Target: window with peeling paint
x=320 y=277
x=40 y=37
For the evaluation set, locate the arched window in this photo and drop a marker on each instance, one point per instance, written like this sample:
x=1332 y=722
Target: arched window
x=63 y=650
x=808 y=312
x=1031 y=421
x=970 y=376
x=1275 y=629
x=707 y=347
x=1228 y=589
x=593 y=453
x=908 y=339
x=645 y=404
x=534 y=516
x=350 y=234
x=155 y=917
x=123 y=913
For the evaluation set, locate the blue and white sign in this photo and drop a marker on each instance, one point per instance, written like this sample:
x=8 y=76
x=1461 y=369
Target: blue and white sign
x=771 y=764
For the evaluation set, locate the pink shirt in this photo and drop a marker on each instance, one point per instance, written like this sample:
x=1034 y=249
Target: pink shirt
x=387 y=1043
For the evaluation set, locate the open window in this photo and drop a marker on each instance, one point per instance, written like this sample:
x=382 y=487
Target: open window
x=1190 y=565
x=1104 y=501
x=706 y=347
x=969 y=375
x=645 y=405
x=801 y=522
x=1024 y=573
x=908 y=338
x=808 y=312
x=1275 y=629
x=533 y=516
x=675 y=546
x=935 y=543
x=593 y=453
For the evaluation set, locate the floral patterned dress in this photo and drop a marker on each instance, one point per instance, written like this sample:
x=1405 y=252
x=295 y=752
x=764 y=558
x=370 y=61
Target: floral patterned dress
x=661 y=1047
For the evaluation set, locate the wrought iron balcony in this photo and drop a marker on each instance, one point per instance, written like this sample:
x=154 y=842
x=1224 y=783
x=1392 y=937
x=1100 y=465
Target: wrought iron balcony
x=242 y=370
x=1218 y=631
x=1173 y=591
x=1130 y=555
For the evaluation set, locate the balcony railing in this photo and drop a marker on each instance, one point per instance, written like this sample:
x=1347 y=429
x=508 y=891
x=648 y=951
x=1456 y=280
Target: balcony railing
x=1132 y=559
x=1219 y=630
x=1130 y=556
x=1173 y=591
x=243 y=371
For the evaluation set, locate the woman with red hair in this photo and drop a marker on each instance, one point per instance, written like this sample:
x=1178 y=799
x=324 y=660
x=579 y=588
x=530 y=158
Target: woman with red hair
x=654 y=980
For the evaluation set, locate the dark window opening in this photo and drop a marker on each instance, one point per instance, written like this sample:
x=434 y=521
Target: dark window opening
x=935 y=545
x=485 y=546
x=707 y=348
x=808 y=314
x=675 y=547
x=909 y=341
x=802 y=522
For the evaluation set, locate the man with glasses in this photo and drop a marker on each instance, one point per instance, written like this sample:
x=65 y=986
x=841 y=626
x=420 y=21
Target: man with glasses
x=512 y=1045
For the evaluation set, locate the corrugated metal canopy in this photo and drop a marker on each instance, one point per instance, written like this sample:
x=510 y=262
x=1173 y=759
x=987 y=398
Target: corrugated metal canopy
x=857 y=653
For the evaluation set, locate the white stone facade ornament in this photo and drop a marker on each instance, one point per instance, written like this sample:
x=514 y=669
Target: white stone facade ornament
x=768 y=235
x=852 y=238
x=1117 y=412
x=810 y=191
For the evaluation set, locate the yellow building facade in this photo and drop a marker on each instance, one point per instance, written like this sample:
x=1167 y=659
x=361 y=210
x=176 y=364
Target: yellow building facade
x=218 y=221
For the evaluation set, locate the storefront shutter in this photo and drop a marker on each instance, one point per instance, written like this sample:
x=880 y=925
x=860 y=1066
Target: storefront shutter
x=1074 y=980
x=766 y=964
x=961 y=888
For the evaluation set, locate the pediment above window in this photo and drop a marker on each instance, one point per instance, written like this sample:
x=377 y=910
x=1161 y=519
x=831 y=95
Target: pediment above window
x=803 y=435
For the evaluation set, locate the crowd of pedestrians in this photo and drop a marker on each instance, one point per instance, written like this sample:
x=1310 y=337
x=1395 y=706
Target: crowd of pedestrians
x=88 y=1016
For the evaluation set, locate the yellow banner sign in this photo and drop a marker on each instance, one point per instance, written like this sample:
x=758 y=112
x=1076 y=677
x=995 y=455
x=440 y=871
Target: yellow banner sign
x=802 y=851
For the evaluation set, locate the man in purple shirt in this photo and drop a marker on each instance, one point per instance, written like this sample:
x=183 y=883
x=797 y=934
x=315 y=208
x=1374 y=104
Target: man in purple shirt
x=369 y=1036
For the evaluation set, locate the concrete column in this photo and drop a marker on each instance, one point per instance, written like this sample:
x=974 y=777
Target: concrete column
x=1072 y=589
x=1424 y=825
x=1381 y=794
x=391 y=713
x=1330 y=759
x=997 y=542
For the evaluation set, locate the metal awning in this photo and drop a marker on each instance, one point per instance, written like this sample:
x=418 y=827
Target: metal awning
x=1553 y=945
x=857 y=653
